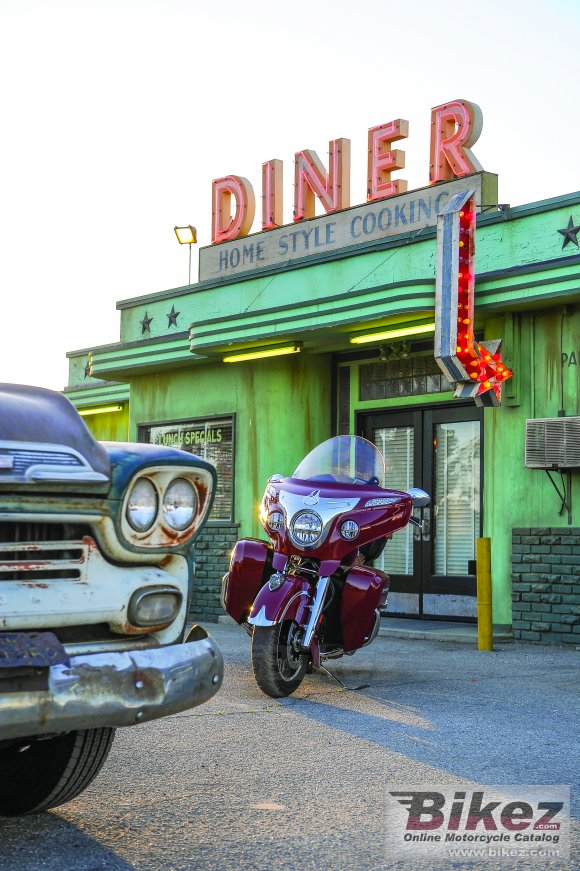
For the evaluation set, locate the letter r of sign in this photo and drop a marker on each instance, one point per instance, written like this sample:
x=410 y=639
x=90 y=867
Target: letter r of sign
x=455 y=126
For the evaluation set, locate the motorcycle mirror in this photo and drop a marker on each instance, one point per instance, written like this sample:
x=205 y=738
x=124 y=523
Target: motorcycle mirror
x=275 y=479
x=419 y=497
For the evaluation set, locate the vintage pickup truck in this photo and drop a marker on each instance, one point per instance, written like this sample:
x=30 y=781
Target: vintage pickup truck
x=96 y=573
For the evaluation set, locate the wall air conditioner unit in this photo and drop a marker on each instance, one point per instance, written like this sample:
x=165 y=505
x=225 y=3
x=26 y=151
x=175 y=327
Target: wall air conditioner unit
x=553 y=443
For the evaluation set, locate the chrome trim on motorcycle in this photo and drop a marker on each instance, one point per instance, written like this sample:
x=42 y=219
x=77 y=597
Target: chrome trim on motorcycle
x=327 y=509
x=375 y=629
x=260 y=619
x=289 y=602
x=315 y=612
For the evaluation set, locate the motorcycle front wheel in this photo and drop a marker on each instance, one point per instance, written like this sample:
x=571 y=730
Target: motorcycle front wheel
x=278 y=664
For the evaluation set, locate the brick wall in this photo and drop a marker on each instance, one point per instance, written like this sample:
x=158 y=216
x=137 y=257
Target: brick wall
x=212 y=554
x=546 y=584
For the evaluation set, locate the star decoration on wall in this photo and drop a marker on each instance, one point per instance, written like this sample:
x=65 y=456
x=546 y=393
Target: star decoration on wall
x=570 y=234
x=145 y=324
x=172 y=317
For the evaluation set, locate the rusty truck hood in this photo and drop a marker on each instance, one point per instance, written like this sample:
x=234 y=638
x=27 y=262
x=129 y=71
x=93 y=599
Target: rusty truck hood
x=40 y=431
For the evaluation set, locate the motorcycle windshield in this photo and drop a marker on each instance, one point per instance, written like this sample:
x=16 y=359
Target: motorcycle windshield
x=343 y=460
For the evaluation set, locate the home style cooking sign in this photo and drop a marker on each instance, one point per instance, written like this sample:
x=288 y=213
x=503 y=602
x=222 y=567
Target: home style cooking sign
x=390 y=210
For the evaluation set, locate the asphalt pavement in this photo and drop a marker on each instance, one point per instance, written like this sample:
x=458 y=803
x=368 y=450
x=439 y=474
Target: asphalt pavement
x=251 y=782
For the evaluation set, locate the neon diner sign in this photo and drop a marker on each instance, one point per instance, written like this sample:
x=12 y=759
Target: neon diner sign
x=455 y=127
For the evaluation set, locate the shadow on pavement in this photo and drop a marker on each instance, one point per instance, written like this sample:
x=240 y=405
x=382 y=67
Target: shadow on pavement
x=49 y=842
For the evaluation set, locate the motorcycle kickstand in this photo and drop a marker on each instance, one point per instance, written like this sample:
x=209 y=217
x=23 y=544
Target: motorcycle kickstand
x=363 y=686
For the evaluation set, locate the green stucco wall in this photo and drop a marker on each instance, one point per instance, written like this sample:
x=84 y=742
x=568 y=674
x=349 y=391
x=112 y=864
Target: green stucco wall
x=112 y=426
x=513 y=495
x=282 y=407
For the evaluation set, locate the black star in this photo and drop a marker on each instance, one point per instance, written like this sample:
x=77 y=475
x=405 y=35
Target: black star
x=172 y=317
x=570 y=234
x=145 y=324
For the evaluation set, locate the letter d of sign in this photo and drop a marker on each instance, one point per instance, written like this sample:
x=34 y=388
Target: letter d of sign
x=475 y=368
x=224 y=226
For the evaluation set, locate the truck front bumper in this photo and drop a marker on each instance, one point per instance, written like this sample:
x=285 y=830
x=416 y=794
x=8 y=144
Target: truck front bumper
x=116 y=689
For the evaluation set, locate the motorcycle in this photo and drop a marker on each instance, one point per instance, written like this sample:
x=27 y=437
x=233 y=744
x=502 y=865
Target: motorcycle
x=307 y=596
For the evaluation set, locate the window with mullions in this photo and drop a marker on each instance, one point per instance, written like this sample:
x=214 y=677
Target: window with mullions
x=411 y=376
x=211 y=439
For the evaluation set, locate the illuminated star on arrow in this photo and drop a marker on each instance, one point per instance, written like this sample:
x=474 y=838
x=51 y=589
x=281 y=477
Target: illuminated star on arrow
x=145 y=324
x=172 y=317
x=570 y=234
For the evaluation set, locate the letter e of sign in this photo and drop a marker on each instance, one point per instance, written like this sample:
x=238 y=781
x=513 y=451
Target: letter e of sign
x=382 y=160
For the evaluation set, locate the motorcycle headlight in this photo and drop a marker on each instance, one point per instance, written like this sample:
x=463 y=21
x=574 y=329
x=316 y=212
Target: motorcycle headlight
x=306 y=528
x=142 y=505
x=179 y=504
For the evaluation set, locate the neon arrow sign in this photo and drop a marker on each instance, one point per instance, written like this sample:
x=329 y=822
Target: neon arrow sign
x=475 y=368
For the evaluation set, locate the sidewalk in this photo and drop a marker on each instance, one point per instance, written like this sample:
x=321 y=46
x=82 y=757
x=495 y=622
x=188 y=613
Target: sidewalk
x=423 y=630
x=435 y=630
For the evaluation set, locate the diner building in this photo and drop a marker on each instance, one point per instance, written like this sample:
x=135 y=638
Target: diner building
x=348 y=302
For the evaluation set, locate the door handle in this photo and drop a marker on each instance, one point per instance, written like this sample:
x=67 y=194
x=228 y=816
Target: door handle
x=422 y=528
x=426 y=525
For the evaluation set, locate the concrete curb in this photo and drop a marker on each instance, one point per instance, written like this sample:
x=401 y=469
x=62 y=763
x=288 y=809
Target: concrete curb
x=461 y=633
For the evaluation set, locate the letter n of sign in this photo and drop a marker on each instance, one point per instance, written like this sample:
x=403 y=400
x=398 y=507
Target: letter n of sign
x=475 y=368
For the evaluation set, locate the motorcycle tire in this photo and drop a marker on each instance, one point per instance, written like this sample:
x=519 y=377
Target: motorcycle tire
x=278 y=667
x=36 y=775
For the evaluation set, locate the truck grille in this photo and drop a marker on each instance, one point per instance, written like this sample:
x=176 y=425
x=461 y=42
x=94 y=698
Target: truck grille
x=40 y=552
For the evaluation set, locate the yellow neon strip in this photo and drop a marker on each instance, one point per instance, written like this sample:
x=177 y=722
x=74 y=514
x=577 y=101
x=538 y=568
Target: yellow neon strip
x=393 y=334
x=101 y=409
x=257 y=355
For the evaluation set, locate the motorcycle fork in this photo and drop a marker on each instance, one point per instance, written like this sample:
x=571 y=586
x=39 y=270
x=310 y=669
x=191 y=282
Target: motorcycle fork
x=310 y=640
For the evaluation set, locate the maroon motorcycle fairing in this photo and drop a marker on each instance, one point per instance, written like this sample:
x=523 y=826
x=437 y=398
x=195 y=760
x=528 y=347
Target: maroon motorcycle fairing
x=291 y=601
x=373 y=522
x=364 y=592
x=250 y=563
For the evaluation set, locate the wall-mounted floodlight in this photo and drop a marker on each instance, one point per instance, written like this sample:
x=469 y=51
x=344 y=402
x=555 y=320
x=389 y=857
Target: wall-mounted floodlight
x=186 y=236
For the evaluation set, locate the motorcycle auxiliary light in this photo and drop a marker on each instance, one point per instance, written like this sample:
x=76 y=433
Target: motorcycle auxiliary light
x=349 y=530
x=306 y=528
x=275 y=521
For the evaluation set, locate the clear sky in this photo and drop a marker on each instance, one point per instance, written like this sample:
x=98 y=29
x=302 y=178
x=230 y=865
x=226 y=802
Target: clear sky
x=117 y=114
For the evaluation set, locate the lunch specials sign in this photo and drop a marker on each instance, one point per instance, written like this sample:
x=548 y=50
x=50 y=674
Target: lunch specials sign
x=390 y=210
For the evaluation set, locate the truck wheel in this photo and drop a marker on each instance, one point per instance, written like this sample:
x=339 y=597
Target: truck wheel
x=36 y=775
x=278 y=664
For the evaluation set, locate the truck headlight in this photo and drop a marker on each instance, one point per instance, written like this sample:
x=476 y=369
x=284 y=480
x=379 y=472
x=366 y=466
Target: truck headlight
x=165 y=505
x=142 y=505
x=154 y=606
x=179 y=504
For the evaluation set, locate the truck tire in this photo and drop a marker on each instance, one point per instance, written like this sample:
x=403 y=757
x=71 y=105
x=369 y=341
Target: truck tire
x=36 y=775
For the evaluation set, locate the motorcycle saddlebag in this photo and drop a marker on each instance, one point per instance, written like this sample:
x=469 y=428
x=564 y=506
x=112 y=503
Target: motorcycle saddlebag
x=364 y=592
x=250 y=568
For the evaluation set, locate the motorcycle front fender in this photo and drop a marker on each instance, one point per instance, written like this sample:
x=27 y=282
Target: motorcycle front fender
x=291 y=601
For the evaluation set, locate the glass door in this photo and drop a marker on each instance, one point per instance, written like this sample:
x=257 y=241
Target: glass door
x=439 y=450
